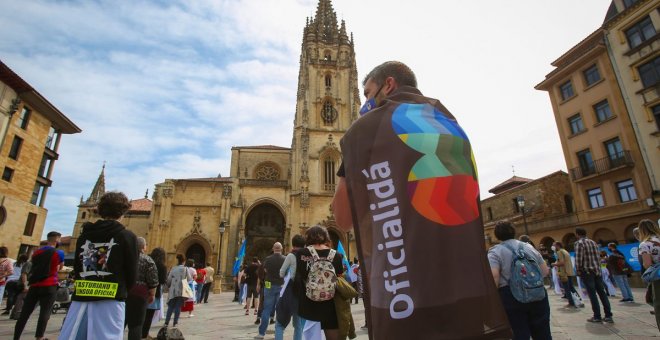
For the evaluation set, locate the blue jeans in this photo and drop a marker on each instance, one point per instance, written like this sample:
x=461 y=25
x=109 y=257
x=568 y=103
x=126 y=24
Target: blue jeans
x=528 y=320
x=622 y=283
x=270 y=300
x=297 y=328
x=198 y=292
x=568 y=290
x=174 y=305
x=595 y=286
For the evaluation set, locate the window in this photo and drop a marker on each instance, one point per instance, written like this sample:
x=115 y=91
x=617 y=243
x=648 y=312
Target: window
x=45 y=164
x=603 y=111
x=516 y=207
x=640 y=32
x=650 y=72
x=566 y=90
x=37 y=193
x=328 y=80
x=490 y=213
x=576 y=124
x=628 y=3
x=586 y=162
x=591 y=75
x=329 y=114
x=51 y=138
x=614 y=151
x=29 y=224
x=595 y=198
x=7 y=174
x=568 y=202
x=24 y=118
x=84 y=215
x=626 y=190
x=329 y=174
x=15 y=147
x=656 y=114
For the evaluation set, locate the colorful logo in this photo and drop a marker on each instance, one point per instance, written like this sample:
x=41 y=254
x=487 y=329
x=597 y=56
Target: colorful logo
x=442 y=185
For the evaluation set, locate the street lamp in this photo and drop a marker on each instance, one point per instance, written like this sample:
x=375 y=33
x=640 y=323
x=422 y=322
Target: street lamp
x=521 y=205
x=221 y=229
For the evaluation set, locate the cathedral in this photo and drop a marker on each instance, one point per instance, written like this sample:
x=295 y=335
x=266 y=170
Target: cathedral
x=272 y=192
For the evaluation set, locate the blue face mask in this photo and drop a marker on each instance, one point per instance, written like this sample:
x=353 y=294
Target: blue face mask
x=370 y=104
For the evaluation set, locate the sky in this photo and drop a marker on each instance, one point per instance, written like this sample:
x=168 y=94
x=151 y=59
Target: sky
x=164 y=89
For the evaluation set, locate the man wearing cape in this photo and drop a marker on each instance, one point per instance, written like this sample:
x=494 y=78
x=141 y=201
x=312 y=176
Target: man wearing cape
x=408 y=186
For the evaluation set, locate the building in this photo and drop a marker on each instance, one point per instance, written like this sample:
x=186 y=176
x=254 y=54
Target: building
x=30 y=132
x=272 y=192
x=631 y=37
x=136 y=219
x=547 y=214
x=609 y=180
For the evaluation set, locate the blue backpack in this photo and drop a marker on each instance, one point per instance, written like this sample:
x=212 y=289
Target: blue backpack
x=526 y=282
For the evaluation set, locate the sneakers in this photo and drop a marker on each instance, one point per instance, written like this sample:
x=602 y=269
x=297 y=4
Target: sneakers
x=570 y=306
x=595 y=320
x=5 y=313
x=608 y=319
x=272 y=321
x=259 y=336
x=258 y=321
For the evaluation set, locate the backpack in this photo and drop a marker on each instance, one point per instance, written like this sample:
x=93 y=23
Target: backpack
x=322 y=279
x=41 y=266
x=166 y=333
x=526 y=281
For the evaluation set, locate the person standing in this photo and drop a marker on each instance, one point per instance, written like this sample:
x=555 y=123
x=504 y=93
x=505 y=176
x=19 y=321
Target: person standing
x=18 y=304
x=619 y=269
x=587 y=265
x=6 y=270
x=46 y=262
x=208 y=282
x=566 y=273
x=272 y=286
x=14 y=287
x=528 y=319
x=175 y=282
x=649 y=250
x=189 y=304
x=142 y=293
x=289 y=268
x=252 y=281
x=199 y=282
x=158 y=256
x=105 y=270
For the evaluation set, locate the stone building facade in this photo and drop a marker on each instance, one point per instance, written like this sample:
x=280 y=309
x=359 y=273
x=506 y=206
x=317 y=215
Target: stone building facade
x=272 y=192
x=30 y=132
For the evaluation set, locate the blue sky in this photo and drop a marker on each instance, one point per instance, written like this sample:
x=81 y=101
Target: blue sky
x=164 y=89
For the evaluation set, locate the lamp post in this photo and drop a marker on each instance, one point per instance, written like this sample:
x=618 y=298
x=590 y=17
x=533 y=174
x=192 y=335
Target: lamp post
x=221 y=229
x=521 y=204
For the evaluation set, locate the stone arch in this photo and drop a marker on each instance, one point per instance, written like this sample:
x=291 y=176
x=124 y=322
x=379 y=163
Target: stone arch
x=547 y=242
x=569 y=241
x=267 y=171
x=194 y=241
x=603 y=236
x=265 y=224
x=628 y=235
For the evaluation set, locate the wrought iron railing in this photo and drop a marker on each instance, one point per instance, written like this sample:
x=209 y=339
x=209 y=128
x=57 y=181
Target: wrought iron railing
x=602 y=165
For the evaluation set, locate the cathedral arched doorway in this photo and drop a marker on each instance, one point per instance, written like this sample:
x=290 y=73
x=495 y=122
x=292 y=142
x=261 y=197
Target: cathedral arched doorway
x=197 y=253
x=264 y=226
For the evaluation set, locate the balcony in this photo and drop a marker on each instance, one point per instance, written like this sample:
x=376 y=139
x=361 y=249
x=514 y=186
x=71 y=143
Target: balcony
x=603 y=165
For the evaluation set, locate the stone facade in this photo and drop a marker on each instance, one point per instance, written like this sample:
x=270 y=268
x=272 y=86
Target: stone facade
x=30 y=132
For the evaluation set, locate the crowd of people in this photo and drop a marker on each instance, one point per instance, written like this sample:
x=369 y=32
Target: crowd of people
x=594 y=270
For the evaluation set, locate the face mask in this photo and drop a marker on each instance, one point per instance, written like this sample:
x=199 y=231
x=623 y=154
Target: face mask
x=553 y=248
x=370 y=104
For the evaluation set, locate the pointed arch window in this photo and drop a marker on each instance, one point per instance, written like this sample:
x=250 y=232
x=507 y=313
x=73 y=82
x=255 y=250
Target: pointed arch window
x=328 y=113
x=329 y=174
x=328 y=80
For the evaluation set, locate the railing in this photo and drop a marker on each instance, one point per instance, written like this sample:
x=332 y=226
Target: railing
x=602 y=165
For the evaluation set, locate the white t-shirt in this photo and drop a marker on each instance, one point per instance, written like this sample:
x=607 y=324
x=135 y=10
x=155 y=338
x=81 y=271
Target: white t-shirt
x=648 y=247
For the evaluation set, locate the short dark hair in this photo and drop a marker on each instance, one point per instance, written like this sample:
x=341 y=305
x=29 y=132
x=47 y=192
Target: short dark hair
x=113 y=205
x=180 y=259
x=579 y=231
x=317 y=235
x=190 y=263
x=3 y=252
x=557 y=243
x=504 y=231
x=298 y=241
x=403 y=75
x=52 y=236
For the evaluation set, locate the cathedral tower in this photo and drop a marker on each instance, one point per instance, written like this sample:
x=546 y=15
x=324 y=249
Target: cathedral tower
x=327 y=103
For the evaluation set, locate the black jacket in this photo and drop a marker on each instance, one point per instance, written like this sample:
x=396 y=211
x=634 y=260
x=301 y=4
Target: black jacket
x=106 y=261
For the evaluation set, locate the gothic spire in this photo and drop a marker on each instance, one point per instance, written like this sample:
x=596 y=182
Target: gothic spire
x=326 y=22
x=99 y=187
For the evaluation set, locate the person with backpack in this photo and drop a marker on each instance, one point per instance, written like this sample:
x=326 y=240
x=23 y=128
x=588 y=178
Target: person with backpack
x=518 y=270
x=620 y=269
x=46 y=262
x=105 y=269
x=317 y=269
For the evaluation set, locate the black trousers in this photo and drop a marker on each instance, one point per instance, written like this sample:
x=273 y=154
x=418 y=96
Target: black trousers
x=136 y=309
x=46 y=297
x=147 y=322
x=13 y=288
x=205 y=291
